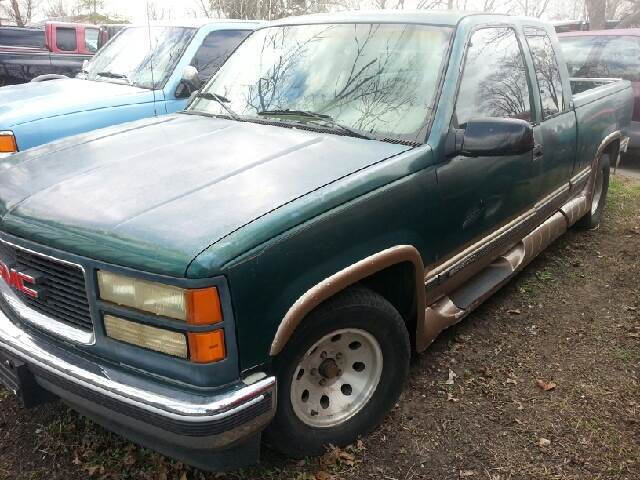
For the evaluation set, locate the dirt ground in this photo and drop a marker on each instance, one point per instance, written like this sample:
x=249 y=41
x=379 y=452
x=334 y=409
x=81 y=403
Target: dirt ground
x=544 y=386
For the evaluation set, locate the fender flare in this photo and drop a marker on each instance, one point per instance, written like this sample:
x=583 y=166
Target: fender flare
x=345 y=278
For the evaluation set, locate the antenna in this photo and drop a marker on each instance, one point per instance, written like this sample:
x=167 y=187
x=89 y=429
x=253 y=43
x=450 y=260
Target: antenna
x=153 y=81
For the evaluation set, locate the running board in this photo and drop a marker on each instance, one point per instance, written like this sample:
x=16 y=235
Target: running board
x=452 y=308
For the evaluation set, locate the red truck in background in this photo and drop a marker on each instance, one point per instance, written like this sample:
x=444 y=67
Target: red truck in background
x=54 y=49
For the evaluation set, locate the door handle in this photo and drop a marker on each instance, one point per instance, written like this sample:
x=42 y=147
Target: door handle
x=538 y=152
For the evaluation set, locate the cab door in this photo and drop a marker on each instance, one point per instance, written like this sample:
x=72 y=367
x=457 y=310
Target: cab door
x=482 y=194
x=557 y=151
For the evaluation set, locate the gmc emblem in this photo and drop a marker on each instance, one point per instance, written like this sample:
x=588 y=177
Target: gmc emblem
x=17 y=279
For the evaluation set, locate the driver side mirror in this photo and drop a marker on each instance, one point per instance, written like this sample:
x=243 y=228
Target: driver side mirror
x=491 y=137
x=189 y=83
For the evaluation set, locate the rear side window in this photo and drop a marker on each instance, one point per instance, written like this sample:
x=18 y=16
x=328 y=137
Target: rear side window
x=66 y=39
x=14 y=37
x=91 y=39
x=547 y=71
x=494 y=80
x=215 y=49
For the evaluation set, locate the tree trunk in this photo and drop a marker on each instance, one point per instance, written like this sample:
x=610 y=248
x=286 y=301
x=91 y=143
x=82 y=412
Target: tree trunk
x=596 y=9
x=17 y=16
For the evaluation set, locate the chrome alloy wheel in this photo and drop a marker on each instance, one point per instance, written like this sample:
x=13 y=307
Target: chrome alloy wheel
x=336 y=377
x=597 y=191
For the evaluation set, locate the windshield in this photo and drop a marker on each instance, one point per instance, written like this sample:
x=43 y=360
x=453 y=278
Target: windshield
x=129 y=57
x=377 y=80
x=602 y=56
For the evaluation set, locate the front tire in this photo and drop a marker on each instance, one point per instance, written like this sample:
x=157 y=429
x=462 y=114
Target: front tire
x=339 y=374
x=598 y=198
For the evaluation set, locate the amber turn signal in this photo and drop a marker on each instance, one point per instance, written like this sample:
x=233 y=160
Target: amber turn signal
x=8 y=143
x=203 y=306
x=207 y=347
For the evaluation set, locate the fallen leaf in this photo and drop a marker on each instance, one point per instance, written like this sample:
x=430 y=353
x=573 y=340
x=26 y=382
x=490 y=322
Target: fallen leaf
x=322 y=475
x=546 y=386
x=632 y=309
x=512 y=380
x=92 y=470
x=76 y=460
x=452 y=375
x=514 y=311
x=544 y=442
x=451 y=398
x=467 y=473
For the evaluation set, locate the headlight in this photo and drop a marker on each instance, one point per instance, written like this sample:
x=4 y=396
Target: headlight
x=8 y=143
x=196 y=306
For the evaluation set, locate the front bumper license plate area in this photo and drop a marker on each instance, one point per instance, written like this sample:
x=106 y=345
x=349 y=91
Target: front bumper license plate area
x=18 y=379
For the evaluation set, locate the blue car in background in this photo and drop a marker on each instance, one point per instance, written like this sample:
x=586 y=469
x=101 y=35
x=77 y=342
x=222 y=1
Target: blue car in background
x=142 y=72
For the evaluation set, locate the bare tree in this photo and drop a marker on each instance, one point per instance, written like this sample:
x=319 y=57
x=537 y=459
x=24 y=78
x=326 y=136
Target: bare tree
x=630 y=14
x=19 y=12
x=532 y=8
x=596 y=10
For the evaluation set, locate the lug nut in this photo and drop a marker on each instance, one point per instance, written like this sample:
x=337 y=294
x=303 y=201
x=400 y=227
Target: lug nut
x=322 y=382
x=323 y=355
x=313 y=371
x=338 y=356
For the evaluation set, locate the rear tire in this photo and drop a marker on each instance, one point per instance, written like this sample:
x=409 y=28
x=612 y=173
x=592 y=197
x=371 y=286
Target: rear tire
x=598 y=198
x=339 y=374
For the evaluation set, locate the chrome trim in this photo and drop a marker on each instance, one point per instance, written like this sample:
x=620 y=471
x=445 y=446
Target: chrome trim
x=37 y=319
x=578 y=177
x=173 y=404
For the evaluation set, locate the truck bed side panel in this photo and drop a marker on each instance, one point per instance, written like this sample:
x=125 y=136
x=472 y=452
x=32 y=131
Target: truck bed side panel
x=601 y=111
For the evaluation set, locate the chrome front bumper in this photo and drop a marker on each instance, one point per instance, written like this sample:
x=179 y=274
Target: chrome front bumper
x=137 y=404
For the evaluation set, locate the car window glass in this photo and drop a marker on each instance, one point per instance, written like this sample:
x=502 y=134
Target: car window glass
x=547 y=72
x=494 y=80
x=66 y=39
x=215 y=49
x=22 y=37
x=91 y=39
x=602 y=56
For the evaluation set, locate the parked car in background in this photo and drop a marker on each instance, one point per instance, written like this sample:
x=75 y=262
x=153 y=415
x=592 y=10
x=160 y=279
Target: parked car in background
x=562 y=26
x=132 y=77
x=605 y=54
x=54 y=49
x=344 y=188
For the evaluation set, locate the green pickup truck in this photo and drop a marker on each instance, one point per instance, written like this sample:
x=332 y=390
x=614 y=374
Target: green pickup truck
x=342 y=190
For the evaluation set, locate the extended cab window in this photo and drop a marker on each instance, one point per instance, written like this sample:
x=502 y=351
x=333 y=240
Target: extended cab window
x=66 y=39
x=547 y=71
x=215 y=49
x=91 y=39
x=494 y=80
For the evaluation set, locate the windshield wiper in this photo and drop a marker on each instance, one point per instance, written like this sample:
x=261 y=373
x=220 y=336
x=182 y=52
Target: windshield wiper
x=221 y=100
x=120 y=76
x=313 y=116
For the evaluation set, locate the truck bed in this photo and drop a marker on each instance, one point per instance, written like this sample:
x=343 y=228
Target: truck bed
x=603 y=106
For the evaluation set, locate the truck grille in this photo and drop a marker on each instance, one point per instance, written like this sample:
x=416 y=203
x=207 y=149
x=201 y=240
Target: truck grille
x=65 y=295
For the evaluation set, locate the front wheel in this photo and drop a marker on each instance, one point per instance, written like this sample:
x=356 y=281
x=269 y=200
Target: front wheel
x=339 y=374
x=598 y=198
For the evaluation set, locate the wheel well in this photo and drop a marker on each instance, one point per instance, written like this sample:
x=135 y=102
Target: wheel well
x=612 y=148
x=397 y=285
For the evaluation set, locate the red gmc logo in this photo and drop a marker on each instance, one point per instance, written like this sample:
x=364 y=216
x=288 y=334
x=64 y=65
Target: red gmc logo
x=16 y=280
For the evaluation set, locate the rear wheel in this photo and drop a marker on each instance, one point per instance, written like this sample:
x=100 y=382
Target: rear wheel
x=599 y=196
x=339 y=374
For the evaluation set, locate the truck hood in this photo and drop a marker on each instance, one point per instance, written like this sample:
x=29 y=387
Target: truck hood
x=29 y=102
x=153 y=194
